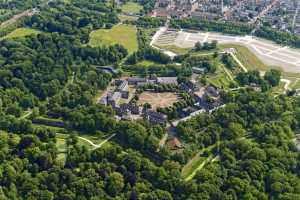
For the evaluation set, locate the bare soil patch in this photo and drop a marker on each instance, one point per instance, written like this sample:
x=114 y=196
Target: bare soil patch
x=155 y=99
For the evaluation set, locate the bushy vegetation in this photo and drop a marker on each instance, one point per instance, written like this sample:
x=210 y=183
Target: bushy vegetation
x=205 y=25
x=270 y=79
x=279 y=37
x=77 y=19
x=52 y=78
x=150 y=22
x=254 y=133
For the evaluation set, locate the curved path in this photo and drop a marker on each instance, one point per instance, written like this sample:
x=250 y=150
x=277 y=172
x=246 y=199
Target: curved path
x=96 y=146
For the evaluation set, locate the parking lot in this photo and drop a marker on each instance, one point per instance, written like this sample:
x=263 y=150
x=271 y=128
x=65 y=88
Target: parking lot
x=270 y=53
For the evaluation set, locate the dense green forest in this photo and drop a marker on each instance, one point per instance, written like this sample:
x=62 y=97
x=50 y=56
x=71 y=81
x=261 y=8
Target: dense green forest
x=256 y=158
x=246 y=145
x=20 y=5
x=76 y=19
x=254 y=133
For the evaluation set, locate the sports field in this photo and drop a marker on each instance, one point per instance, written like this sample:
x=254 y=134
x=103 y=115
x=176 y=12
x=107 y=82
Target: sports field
x=119 y=34
x=271 y=54
x=131 y=7
x=156 y=100
x=21 y=32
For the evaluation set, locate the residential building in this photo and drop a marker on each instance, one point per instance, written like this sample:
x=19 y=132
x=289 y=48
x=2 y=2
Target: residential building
x=166 y=80
x=155 y=117
x=136 y=80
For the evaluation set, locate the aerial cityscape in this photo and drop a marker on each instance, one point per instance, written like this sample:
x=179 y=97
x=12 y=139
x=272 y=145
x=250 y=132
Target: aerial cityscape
x=149 y=100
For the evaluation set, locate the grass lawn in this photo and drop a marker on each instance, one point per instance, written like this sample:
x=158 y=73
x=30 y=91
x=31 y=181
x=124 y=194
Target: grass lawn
x=146 y=63
x=196 y=163
x=188 y=169
x=278 y=89
x=131 y=7
x=221 y=78
x=127 y=18
x=94 y=139
x=249 y=59
x=61 y=145
x=98 y=95
x=119 y=34
x=174 y=49
x=296 y=84
x=52 y=128
x=21 y=32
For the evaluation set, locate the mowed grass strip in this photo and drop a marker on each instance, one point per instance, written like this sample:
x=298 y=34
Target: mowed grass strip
x=119 y=34
x=174 y=48
x=131 y=7
x=191 y=166
x=21 y=32
x=127 y=18
x=249 y=59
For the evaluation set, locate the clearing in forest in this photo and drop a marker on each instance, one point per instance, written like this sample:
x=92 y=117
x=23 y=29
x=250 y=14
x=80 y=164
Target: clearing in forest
x=21 y=32
x=131 y=7
x=119 y=34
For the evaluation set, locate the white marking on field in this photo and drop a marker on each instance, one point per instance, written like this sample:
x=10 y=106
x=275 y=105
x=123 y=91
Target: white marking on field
x=277 y=50
x=206 y=37
x=187 y=37
x=256 y=49
x=269 y=52
x=280 y=59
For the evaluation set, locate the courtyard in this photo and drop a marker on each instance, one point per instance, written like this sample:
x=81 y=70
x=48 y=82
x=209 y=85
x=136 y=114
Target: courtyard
x=158 y=100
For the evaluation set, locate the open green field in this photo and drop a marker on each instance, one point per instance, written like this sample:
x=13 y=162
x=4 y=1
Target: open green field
x=220 y=79
x=296 y=85
x=4 y=11
x=190 y=167
x=21 y=32
x=119 y=34
x=131 y=7
x=98 y=95
x=249 y=59
x=127 y=18
x=174 y=49
x=146 y=63
x=196 y=163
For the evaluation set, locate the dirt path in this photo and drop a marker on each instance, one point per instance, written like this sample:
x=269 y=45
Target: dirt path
x=12 y=20
x=26 y=115
x=97 y=146
x=192 y=175
x=25 y=13
x=239 y=62
x=104 y=142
